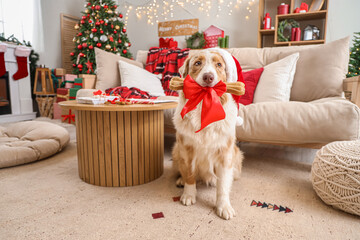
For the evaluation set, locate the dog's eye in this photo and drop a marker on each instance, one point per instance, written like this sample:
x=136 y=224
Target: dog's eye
x=219 y=64
x=198 y=63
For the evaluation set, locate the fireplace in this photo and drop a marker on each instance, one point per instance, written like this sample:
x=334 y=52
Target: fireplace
x=5 y=102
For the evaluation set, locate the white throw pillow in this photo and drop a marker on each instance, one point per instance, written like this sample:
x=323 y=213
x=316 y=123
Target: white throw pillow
x=276 y=80
x=134 y=76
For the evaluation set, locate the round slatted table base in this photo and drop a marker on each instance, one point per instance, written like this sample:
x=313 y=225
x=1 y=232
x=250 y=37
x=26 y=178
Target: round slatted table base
x=119 y=147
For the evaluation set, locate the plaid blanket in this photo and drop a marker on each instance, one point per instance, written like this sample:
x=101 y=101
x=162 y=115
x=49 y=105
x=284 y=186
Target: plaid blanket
x=126 y=92
x=166 y=61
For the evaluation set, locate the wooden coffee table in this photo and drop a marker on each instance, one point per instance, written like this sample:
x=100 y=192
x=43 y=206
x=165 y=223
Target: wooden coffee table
x=119 y=145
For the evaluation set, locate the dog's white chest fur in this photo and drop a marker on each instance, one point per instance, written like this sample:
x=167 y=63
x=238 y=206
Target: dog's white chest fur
x=212 y=136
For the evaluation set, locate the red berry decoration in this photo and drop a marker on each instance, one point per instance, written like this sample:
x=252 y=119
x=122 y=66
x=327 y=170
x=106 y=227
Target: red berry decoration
x=83 y=17
x=74 y=65
x=115 y=31
x=120 y=15
x=81 y=54
x=101 y=21
x=124 y=51
x=106 y=24
x=97 y=23
x=112 y=26
x=92 y=7
x=88 y=15
x=80 y=66
x=97 y=7
x=94 y=30
x=80 y=69
x=72 y=54
x=90 y=21
x=111 y=39
x=98 y=44
x=91 y=47
x=79 y=34
x=106 y=6
x=119 y=41
x=89 y=4
x=124 y=30
x=79 y=46
x=101 y=31
x=129 y=44
x=84 y=45
x=114 y=6
x=82 y=22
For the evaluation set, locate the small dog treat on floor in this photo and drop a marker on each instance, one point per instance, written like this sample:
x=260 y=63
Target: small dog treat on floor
x=176 y=199
x=270 y=206
x=157 y=215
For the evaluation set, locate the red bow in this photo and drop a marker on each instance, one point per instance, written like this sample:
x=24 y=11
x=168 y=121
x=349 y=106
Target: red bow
x=212 y=109
x=70 y=117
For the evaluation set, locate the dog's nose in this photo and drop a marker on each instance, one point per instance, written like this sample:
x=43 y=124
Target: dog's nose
x=208 y=78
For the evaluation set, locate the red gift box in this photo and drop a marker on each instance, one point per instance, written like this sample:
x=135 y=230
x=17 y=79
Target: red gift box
x=62 y=94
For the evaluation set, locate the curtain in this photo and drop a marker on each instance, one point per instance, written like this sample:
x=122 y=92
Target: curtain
x=23 y=19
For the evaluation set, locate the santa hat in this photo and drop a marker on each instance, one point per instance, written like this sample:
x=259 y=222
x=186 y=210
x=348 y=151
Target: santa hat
x=233 y=68
x=233 y=74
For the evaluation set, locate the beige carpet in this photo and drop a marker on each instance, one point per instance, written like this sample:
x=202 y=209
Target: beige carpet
x=47 y=200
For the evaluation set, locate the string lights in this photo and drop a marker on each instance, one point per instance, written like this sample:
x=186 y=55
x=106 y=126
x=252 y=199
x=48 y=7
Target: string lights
x=156 y=10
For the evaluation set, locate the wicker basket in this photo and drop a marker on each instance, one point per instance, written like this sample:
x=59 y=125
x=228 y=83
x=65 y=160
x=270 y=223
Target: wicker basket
x=336 y=175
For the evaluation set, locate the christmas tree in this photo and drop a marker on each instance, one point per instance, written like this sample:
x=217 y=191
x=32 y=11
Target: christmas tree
x=354 y=64
x=100 y=26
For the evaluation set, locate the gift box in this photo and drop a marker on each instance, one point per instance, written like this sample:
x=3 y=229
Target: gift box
x=62 y=94
x=57 y=111
x=59 y=72
x=88 y=81
x=69 y=84
x=72 y=93
x=68 y=116
x=78 y=83
x=70 y=77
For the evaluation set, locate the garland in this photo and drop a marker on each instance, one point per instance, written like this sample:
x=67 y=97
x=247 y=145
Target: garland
x=284 y=24
x=196 y=41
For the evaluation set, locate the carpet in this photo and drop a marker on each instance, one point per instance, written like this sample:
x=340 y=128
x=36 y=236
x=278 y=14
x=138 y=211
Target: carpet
x=47 y=200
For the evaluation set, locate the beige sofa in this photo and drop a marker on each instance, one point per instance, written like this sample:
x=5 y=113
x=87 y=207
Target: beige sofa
x=317 y=112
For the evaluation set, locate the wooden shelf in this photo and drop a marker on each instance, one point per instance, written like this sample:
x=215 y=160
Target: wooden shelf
x=292 y=43
x=304 y=16
x=267 y=31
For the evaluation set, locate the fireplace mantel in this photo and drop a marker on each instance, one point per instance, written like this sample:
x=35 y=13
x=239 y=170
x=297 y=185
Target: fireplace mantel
x=20 y=91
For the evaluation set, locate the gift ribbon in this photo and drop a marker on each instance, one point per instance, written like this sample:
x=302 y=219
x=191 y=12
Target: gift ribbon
x=212 y=109
x=63 y=96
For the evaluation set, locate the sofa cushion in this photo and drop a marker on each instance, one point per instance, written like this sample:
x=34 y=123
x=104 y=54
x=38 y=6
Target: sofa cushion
x=251 y=79
x=107 y=69
x=276 y=80
x=320 y=71
x=320 y=121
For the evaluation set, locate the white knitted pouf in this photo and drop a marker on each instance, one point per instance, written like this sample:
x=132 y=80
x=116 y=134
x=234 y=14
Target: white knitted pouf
x=335 y=175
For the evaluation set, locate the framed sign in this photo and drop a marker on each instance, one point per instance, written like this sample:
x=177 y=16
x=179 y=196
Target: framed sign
x=178 y=28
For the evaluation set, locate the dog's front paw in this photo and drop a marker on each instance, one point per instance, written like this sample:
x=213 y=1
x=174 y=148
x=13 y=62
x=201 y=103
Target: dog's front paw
x=188 y=199
x=180 y=183
x=225 y=211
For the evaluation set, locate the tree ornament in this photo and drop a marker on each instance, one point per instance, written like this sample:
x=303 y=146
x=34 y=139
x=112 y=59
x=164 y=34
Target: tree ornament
x=129 y=44
x=74 y=39
x=81 y=54
x=106 y=6
x=97 y=23
x=91 y=35
x=90 y=21
x=119 y=41
x=124 y=51
x=101 y=31
x=84 y=45
x=97 y=7
x=120 y=15
x=96 y=39
x=80 y=66
x=109 y=11
x=79 y=46
x=111 y=39
x=117 y=27
x=79 y=34
x=93 y=14
x=106 y=24
x=83 y=17
x=83 y=39
x=92 y=7
x=76 y=26
x=124 y=30
x=103 y=38
x=108 y=46
x=89 y=4
x=101 y=21
x=91 y=47
x=115 y=31
x=94 y=30
x=114 y=6
x=112 y=26
x=78 y=41
x=82 y=22
x=98 y=44
x=89 y=66
x=86 y=10
x=72 y=54
x=74 y=65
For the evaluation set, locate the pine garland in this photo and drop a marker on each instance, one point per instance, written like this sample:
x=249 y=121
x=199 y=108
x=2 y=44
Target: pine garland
x=196 y=41
x=354 y=63
x=284 y=24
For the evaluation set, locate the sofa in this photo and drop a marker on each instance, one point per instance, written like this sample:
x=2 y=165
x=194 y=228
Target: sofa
x=317 y=113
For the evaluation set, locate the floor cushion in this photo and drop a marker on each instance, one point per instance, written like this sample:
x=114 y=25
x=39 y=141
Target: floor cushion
x=335 y=175
x=30 y=141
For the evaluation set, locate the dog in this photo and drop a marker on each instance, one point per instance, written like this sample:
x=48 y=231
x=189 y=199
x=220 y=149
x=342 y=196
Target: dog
x=210 y=155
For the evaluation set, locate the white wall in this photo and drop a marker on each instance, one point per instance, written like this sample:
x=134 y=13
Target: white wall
x=51 y=10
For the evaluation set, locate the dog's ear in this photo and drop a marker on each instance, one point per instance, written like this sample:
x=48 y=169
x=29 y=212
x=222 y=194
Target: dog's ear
x=184 y=69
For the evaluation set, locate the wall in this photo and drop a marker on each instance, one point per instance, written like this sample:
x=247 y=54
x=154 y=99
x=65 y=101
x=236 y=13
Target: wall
x=51 y=10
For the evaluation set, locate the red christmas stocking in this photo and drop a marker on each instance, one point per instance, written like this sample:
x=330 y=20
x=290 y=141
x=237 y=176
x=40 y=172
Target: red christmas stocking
x=21 y=54
x=3 y=47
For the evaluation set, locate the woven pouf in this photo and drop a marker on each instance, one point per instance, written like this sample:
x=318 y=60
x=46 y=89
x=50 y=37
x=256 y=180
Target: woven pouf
x=335 y=175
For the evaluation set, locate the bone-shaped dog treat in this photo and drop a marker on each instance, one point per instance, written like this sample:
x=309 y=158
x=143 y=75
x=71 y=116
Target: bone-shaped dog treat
x=236 y=88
